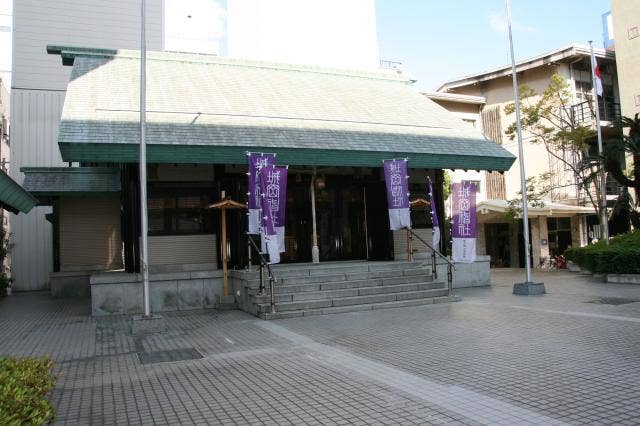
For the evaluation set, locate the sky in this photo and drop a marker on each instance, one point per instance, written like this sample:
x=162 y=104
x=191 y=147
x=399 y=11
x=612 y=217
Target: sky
x=436 y=40
x=440 y=40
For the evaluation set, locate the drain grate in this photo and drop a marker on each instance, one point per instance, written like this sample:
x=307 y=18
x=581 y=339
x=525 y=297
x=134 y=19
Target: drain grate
x=173 y=355
x=613 y=301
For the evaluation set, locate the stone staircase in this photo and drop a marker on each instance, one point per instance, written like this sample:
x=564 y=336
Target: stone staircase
x=336 y=287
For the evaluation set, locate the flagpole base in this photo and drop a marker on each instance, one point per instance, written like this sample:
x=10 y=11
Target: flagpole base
x=529 y=289
x=154 y=323
x=315 y=254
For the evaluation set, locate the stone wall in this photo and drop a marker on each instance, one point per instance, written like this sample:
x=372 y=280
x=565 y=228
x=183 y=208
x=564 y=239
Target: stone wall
x=474 y=274
x=115 y=293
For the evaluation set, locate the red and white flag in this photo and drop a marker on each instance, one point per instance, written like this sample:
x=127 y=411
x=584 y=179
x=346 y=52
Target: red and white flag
x=596 y=73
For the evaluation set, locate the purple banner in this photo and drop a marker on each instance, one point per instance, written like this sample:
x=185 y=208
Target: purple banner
x=267 y=223
x=434 y=217
x=463 y=222
x=276 y=195
x=256 y=161
x=397 y=181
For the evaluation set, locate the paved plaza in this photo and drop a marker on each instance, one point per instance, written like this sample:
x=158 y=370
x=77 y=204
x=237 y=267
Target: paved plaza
x=569 y=357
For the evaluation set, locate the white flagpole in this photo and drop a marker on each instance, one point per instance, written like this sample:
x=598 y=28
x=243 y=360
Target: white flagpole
x=523 y=181
x=603 y=178
x=143 y=164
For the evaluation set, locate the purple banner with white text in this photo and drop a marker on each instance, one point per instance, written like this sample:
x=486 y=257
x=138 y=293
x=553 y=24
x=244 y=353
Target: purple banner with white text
x=463 y=222
x=256 y=161
x=276 y=196
x=397 y=181
x=268 y=232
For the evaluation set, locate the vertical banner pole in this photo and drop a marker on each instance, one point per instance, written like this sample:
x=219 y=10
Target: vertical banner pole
x=315 y=253
x=143 y=163
x=523 y=181
x=603 y=176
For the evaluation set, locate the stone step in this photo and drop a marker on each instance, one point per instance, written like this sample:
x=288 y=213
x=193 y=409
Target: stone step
x=356 y=308
x=331 y=276
x=355 y=300
x=342 y=285
x=348 y=292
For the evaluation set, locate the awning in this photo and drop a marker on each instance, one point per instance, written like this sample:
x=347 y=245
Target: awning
x=487 y=207
x=71 y=181
x=206 y=109
x=13 y=197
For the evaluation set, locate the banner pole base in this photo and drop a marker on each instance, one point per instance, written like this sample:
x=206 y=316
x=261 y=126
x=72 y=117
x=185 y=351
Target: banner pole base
x=529 y=289
x=315 y=254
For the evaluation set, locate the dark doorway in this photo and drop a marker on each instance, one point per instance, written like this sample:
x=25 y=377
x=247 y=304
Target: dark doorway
x=521 y=252
x=298 y=227
x=379 y=238
x=498 y=245
x=340 y=219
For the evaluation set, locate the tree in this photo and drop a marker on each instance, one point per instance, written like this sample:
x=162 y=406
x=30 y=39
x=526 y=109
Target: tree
x=615 y=154
x=547 y=119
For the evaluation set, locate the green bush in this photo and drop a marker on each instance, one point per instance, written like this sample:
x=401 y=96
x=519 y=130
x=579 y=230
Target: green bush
x=621 y=256
x=24 y=384
x=4 y=283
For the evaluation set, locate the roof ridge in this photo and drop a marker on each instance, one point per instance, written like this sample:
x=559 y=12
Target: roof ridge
x=71 y=52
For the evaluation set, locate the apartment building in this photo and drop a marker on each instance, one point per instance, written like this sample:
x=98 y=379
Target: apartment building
x=566 y=219
x=626 y=28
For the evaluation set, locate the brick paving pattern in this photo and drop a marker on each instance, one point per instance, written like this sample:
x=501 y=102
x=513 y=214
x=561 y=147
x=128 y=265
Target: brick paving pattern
x=493 y=358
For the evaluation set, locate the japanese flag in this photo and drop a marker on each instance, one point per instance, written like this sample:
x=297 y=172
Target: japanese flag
x=596 y=73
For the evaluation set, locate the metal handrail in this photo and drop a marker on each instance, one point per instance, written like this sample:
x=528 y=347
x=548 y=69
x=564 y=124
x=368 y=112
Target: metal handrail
x=434 y=252
x=272 y=278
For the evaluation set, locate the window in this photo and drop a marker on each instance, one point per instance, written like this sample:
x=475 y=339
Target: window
x=470 y=122
x=174 y=211
x=559 y=229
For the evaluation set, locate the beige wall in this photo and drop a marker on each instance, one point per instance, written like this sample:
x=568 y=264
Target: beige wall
x=182 y=249
x=90 y=234
x=500 y=92
x=626 y=27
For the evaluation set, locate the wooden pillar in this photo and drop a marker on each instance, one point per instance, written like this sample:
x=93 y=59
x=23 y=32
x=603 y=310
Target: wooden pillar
x=223 y=214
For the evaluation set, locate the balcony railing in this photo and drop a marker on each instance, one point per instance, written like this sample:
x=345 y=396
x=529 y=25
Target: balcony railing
x=584 y=112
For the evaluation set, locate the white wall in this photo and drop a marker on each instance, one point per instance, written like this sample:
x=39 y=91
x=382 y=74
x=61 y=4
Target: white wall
x=334 y=33
x=88 y=23
x=37 y=96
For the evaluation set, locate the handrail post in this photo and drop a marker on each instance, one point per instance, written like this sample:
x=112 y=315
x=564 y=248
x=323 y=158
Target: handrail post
x=434 y=269
x=450 y=280
x=273 y=294
x=261 y=292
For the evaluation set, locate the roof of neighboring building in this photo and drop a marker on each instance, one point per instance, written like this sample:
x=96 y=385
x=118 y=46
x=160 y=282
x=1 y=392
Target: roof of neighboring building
x=207 y=109
x=53 y=181
x=557 y=55
x=454 y=97
x=549 y=208
x=14 y=197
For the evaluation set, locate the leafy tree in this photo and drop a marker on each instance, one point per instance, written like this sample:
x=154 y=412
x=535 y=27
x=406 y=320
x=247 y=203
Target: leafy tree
x=617 y=150
x=547 y=120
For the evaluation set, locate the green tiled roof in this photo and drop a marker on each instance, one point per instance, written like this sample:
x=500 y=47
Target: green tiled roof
x=52 y=181
x=13 y=197
x=205 y=109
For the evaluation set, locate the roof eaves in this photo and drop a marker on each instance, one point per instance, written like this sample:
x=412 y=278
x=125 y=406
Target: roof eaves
x=454 y=97
x=533 y=62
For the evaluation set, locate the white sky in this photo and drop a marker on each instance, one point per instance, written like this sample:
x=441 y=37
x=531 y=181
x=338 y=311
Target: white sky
x=194 y=26
x=335 y=33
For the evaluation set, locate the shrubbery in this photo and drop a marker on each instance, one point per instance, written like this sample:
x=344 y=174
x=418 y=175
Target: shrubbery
x=24 y=384
x=621 y=256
